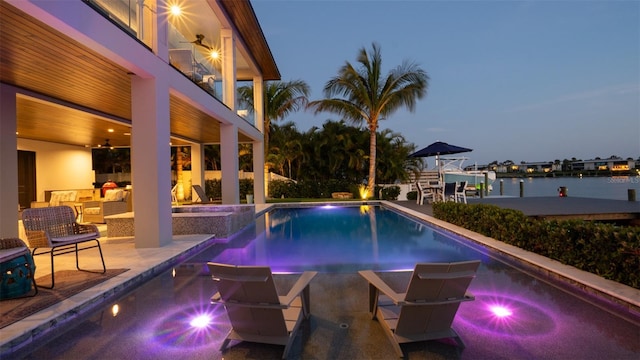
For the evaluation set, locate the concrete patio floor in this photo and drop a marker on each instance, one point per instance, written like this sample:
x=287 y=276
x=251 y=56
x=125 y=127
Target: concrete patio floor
x=340 y=326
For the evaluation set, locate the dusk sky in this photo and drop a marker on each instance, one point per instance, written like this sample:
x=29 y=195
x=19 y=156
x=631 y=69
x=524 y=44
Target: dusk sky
x=513 y=80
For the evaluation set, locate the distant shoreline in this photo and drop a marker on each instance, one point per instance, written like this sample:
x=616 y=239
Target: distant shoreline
x=574 y=173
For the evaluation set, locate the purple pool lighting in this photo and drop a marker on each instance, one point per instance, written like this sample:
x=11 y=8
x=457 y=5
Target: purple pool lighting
x=507 y=315
x=188 y=328
x=500 y=311
x=341 y=239
x=201 y=321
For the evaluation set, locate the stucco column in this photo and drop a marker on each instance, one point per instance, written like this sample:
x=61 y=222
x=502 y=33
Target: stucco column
x=197 y=167
x=8 y=163
x=229 y=166
x=258 y=175
x=228 y=68
x=260 y=187
x=150 y=157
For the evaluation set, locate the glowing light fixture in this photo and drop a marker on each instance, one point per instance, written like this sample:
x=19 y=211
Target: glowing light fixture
x=175 y=10
x=115 y=309
x=201 y=321
x=364 y=192
x=500 y=311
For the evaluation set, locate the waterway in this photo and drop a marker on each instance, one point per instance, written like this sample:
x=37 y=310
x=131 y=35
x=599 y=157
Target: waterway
x=613 y=188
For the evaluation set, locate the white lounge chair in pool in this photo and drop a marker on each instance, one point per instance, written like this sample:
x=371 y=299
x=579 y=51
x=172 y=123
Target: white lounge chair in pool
x=427 y=309
x=256 y=311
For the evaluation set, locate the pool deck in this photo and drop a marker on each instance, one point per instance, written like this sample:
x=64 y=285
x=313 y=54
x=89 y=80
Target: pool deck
x=337 y=330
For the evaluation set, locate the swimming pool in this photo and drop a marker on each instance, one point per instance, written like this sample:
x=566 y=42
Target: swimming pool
x=515 y=315
x=344 y=239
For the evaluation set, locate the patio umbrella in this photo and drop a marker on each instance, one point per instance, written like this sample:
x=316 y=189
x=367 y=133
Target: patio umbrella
x=439 y=148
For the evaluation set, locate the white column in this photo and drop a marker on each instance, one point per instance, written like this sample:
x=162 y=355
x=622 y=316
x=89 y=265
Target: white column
x=228 y=68
x=8 y=163
x=229 y=166
x=150 y=154
x=258 y=103
x=197 y=167
x=260 y=187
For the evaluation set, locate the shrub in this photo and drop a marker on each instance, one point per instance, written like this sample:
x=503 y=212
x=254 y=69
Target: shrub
x=607 y=250
x=213 y=188
x=388 y=193
x=283 y=188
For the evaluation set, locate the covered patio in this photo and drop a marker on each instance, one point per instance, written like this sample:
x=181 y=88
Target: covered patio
x=99 y=83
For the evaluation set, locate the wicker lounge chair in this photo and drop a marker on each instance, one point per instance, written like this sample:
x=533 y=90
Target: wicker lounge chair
x=256 y=311
x=56 y=229
x=427 y=309
x=17 y=270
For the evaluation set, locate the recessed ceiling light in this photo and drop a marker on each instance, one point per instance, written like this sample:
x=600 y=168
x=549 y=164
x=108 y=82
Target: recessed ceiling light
x=175 y=10
x=110 y=130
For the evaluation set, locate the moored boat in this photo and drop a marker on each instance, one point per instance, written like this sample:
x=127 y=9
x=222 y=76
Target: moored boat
x=454 y=171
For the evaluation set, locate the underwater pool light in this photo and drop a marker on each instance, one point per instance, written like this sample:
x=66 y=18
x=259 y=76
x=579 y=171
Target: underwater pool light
x=500 y=311
x=201 y=321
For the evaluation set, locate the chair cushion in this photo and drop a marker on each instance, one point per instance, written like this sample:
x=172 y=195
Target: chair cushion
x=8 y=254
x=74 y=238
x=57 y=197
x=114 y=195
x=91 y=211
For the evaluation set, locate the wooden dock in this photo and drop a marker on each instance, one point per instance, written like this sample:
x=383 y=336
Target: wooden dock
x=557 y=208
x=562 y=208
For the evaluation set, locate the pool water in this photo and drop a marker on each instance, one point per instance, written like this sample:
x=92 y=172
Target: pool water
x=514 y=316
x=344 y=239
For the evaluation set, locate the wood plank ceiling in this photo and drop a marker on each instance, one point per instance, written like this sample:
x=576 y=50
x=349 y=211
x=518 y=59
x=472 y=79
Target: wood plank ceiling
x=49 y=65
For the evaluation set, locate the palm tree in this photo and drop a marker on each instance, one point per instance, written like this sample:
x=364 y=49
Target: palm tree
x=361 y=94
x=280 y=99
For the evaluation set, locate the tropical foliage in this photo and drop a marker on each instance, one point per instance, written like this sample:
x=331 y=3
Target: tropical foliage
x=281 y=98
x=607 y=250
x=335 y=152
x=362 y=95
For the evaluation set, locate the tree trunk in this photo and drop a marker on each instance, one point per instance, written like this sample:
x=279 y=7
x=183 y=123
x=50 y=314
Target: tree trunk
x=372 y=158
x=179 y=183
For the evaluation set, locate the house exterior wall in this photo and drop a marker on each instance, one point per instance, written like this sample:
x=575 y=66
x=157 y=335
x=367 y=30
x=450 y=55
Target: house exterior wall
x=59 y=166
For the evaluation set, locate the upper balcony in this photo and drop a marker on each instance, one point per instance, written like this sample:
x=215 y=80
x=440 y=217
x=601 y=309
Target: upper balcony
x=73 y=71
x=194 y=39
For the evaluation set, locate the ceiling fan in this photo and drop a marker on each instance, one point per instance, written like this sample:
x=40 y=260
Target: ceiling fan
x=198 y=41
x=107 y=145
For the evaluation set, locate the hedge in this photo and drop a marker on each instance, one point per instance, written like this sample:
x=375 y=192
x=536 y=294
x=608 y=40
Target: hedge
x=607 y=250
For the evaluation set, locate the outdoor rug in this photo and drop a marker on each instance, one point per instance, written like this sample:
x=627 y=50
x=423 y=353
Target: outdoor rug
x=68 y=283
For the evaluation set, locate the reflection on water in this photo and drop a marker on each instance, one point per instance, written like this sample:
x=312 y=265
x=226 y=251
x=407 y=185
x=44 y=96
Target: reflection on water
x=344 y=239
